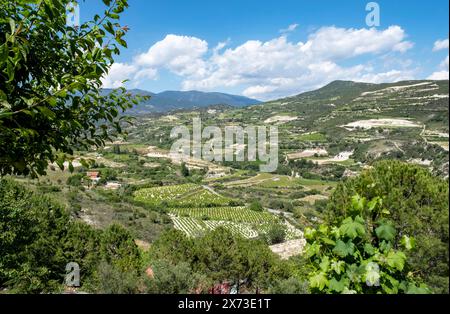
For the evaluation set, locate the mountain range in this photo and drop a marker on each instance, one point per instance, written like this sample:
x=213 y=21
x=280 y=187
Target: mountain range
x=172 y=100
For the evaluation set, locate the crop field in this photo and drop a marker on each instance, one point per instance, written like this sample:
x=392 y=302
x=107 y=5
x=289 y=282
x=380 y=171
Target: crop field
x=195 y=209
x=234 y=214
x=191 y=226
x=242 y=229
x=201 y=198
x=312 y=137
x=157 y=195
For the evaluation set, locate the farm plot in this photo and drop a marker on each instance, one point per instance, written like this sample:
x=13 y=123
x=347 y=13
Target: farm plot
x=191 y=226
x=202 y=198
x=242 y=229
x=157 y=195
x=234 y=214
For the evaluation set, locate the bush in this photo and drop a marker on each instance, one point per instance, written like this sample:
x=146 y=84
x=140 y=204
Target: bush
x=256 y=206
x=276 y=234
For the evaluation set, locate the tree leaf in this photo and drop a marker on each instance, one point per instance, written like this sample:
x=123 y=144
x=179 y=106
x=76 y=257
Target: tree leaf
x=338 y=267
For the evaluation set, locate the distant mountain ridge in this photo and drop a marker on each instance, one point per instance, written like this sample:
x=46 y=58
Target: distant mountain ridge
x=172 y=100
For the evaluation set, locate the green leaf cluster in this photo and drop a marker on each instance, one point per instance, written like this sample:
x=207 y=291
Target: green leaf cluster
x=360 y=254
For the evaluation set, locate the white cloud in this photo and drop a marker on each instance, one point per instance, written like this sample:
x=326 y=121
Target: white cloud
x=440 y=44
x=443 y=72
x=439 y=75
x=290 y=28
x=273 y=68
x=279 y=67
x=180 y=54
x=118 y=73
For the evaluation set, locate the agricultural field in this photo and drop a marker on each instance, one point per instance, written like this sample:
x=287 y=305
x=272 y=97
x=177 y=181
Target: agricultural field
x=234 y=214
x=195 y=209
x=157 y=195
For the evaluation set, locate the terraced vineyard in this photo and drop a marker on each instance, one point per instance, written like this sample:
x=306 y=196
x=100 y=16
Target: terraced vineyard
x=201 y=199
x=234 y=214
x=156 y=195
x=195 y=210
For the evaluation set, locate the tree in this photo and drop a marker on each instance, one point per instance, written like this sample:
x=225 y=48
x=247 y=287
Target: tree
x=184 y=170
x=31 y=227
x=50 y=79
x=116 y=149
x=256 y=206
x=75 y=180
x=172 y=279
x=418 y=206
x=117 y=248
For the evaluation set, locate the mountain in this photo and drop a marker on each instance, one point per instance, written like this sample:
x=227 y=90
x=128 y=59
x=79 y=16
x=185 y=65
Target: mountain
x=171 y=100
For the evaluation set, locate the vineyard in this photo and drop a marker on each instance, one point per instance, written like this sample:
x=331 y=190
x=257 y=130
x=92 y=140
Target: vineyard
x=234 y=214
x=195 y=210
x=157 y=195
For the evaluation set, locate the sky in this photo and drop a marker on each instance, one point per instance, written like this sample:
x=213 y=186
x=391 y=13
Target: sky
x=267 y=49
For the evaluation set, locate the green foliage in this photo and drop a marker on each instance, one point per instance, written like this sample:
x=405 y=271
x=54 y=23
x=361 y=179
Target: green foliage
x=256 y=206
x=75 y=180
x=173 y=279
x=117 y=247
x=218 y=255
x=50 y=76
x=291 y=285
x=184 y=170
x=276 y=234
x=110 y=279
x=31 y=227
x=360 y=254
x=38 y=240
x=416 y=203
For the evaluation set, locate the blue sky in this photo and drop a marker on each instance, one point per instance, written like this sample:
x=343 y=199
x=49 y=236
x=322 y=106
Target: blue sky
x=269 y=49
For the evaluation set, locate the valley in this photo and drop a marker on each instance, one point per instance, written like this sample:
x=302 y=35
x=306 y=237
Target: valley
x=325 y=136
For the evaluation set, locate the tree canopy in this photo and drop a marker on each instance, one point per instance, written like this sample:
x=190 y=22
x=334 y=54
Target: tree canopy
x=50 y=83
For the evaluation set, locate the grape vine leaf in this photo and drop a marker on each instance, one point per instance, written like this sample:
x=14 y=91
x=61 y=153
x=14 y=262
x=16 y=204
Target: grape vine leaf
x=353 y=228
x=337 y=286
x=396 y=260
x=408 y=242
x=318 y=281
x=343 y=249
x=385 y=232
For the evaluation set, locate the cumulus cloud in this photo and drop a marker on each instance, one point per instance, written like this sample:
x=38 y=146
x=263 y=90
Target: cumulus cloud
x=443 y=72
x=274 y=68
x=440 y=44
x=118 y=73
x=278 y=67
x=180 y=54
x=439 y=75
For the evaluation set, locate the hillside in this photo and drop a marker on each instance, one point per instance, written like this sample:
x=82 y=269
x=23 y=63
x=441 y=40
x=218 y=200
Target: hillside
x=406 y=120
